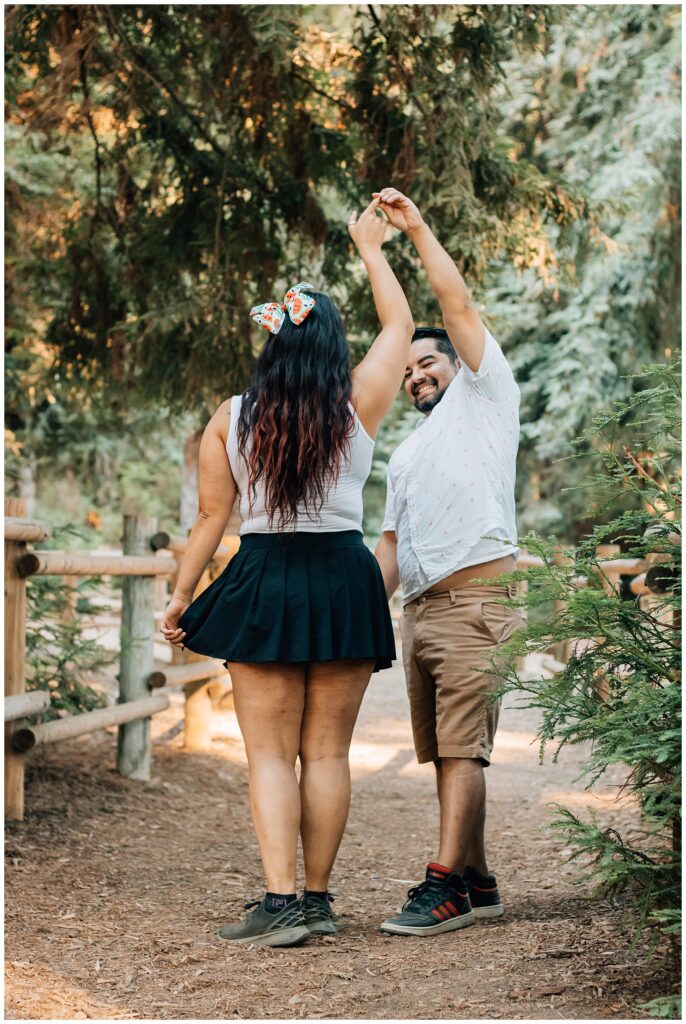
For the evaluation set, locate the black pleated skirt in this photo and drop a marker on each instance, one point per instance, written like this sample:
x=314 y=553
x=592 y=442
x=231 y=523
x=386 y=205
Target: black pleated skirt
x=295 y=597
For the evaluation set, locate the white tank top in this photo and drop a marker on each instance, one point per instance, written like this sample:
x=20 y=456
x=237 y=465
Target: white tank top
x=342 y=507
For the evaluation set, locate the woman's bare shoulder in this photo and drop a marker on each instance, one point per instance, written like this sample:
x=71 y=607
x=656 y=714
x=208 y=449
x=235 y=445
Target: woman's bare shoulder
x=221 y=420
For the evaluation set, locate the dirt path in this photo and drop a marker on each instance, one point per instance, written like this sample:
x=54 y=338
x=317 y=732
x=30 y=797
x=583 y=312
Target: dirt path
x=114 y=891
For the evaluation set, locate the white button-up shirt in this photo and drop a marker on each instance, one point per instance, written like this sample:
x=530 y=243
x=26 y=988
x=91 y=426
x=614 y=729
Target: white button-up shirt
x=450 y=497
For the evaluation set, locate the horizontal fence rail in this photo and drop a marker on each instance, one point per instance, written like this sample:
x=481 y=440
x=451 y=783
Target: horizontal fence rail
x=149 y=563
x=192 y=672
x=173 y=542
x=23 y=705
x=141 y=569
x=79 y=725
x=26 y=529
x=58 y=563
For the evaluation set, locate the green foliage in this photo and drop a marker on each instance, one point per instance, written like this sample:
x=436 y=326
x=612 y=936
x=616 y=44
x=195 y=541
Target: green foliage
x=57 y=654
x=620 y=689
x=169 y=166
x=599 y=104
x=665 y=1007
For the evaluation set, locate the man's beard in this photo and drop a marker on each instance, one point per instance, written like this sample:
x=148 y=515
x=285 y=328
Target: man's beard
x=425 y=405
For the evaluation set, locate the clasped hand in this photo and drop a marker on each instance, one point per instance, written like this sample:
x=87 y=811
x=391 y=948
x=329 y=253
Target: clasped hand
x=368 y=231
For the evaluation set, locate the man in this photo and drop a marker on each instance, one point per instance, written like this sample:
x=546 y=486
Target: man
x=450 y=520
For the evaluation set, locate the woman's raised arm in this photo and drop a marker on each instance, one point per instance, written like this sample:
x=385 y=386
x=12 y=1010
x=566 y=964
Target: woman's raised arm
x=378 y=377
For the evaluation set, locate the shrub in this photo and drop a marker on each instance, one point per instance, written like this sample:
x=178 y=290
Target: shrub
x=619 y=690
x=57 y=653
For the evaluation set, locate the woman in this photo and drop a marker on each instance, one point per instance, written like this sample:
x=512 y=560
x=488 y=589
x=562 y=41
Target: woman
x=300 y=614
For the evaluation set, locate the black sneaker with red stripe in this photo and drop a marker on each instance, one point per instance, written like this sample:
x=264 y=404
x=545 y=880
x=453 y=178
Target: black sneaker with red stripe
x=483 y=894
x=438 y=904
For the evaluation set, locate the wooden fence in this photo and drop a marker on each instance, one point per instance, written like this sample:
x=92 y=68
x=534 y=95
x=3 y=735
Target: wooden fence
x=149 y=563
x=149 y=558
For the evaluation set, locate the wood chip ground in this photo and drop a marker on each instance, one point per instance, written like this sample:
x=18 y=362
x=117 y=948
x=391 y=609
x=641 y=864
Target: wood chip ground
x=115 y=890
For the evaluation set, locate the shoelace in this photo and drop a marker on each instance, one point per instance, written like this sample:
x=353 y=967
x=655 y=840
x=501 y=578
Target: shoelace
x=426 y=895
x=295 y=916
x=317 y=908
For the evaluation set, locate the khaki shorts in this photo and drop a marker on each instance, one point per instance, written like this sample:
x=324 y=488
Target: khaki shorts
x=446 y=639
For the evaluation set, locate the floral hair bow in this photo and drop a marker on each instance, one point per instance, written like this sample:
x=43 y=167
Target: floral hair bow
x=271 y=315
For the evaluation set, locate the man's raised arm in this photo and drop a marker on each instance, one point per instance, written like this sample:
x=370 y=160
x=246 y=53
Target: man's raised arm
x=462 y=322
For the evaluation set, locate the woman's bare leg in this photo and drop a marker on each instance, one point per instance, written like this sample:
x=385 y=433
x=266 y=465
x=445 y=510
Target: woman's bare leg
x=269 y=701
x=333 y=694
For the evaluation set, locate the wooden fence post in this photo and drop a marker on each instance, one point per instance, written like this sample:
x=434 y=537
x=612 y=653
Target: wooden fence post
x=203 y=693
x=15 y=636
x=522 y=591
x=609 y=581
x=609 y=578
x=136 y=658
x=70 y=583
x=197 y=716
x=560 y=650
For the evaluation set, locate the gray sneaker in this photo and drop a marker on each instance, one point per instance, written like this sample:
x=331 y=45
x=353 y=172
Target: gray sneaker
x=319 y=916
x=287 y=928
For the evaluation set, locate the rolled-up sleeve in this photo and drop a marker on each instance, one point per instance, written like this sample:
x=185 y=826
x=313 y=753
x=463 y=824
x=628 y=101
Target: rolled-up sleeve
x=389 y=516
x=494 y=379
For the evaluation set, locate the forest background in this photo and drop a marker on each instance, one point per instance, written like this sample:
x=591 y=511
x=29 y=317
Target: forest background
x=168 y=166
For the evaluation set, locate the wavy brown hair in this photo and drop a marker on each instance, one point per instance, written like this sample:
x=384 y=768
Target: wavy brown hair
x=296 y=420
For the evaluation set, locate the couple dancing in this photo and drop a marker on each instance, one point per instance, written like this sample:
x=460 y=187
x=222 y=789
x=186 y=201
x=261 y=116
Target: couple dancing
x=300 y=615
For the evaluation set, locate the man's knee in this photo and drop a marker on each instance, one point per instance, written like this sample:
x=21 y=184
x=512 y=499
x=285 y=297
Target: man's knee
x=459 y=765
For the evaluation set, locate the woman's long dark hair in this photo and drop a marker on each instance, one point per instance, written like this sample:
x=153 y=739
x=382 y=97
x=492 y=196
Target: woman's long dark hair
x=296 y=413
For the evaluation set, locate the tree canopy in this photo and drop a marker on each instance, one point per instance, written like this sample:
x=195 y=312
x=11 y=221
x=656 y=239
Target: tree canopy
x=168 y=166
x=226 y=144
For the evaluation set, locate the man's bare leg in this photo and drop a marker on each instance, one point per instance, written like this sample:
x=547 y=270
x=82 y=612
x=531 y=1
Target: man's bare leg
x=462 y=798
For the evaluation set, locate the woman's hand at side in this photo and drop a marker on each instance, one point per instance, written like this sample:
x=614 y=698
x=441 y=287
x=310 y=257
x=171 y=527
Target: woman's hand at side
x=217 y=494
x=170 y=622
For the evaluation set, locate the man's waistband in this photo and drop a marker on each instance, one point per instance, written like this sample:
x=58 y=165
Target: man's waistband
x=468 y=592
x=467 y=577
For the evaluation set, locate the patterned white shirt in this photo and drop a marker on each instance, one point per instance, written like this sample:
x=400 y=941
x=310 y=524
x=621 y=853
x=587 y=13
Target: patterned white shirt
x=451 y=482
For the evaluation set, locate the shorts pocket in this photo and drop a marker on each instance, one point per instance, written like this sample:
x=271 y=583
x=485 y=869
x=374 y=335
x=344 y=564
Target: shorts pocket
x=500 y=622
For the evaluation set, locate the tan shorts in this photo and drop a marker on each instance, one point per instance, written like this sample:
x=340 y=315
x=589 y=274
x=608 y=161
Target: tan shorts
x=446 y=639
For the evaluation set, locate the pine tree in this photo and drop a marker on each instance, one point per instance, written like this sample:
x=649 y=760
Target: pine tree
x=620 y=689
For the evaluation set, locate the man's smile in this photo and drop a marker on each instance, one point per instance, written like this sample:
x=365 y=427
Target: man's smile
x=422 y=389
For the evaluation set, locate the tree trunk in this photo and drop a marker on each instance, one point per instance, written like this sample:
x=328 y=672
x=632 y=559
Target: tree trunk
x=15 y=666
x=136 y=657
x=27 y=483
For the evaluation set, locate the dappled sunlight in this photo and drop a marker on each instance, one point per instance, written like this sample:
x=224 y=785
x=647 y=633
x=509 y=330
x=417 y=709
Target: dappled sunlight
x=39 y=993
x=514 y=746
x=585 y=799
x=371 y=757
x=412 y=769
x=385 y=730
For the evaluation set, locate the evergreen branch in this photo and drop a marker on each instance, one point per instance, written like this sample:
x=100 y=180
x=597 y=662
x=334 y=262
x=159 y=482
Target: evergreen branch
x=322 y=92
x=89 y=118
x=409 y=85
x=146 y=68
x=638 y=467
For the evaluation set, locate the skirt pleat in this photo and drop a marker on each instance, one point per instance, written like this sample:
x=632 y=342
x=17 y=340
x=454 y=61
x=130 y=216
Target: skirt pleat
x=300 y=597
